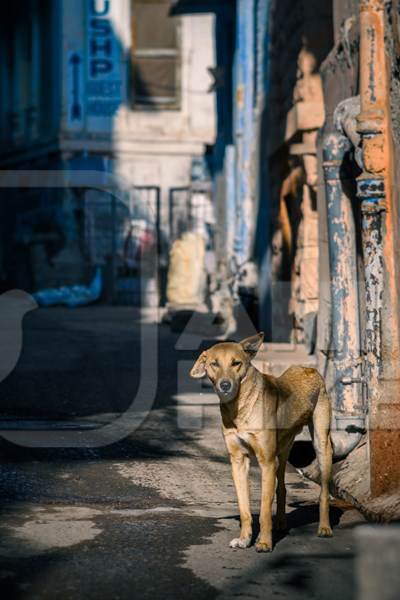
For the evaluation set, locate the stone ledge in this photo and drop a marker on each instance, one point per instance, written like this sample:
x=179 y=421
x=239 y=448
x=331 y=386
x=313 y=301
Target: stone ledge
x=351 y=483
x=302 y=149
x=275 y=358
x=304 y=116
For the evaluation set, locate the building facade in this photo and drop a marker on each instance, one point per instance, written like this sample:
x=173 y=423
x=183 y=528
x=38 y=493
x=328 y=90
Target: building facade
x=293 y=105
x=306 y=185
x=113 y=87
x=336 y=201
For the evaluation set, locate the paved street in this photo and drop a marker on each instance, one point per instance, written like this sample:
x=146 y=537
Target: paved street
x=149 y=516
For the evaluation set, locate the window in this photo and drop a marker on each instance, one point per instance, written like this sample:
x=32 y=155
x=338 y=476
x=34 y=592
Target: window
x=26 y=102
x=155 y=55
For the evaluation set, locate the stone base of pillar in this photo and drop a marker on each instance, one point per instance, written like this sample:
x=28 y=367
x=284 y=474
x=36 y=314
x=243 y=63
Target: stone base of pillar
x=384 y=449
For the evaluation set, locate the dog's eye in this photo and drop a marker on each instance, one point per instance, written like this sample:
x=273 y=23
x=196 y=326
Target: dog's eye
x=214 y=364
x=236 y=363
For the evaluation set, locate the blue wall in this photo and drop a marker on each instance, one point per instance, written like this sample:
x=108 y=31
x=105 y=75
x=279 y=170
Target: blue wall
x=240 y=157
x=242 y=151
x=243 y=123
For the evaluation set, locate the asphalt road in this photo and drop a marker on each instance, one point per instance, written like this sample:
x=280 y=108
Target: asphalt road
x=149 y=516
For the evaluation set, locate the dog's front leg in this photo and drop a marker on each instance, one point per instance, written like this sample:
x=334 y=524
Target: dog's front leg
x=268 y=474
x=240 y=471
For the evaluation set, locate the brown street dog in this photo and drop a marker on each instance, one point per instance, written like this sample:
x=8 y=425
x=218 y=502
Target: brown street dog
x=261 y=416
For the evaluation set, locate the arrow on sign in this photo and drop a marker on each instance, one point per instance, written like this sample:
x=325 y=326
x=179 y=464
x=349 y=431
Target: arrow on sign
x=76 y=109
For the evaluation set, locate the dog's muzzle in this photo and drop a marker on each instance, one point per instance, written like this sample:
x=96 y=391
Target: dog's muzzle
x=225 y=386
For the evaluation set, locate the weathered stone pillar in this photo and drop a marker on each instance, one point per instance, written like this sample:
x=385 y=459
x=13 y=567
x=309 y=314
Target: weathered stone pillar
x=380 y=243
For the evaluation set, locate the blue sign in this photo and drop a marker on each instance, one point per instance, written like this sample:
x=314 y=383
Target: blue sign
x=104 y=77
x=76 y=108
x=75 y=90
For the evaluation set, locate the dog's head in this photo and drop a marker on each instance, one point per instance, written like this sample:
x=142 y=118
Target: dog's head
x=226 y=365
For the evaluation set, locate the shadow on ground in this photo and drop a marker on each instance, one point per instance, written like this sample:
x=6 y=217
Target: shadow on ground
x=84 y=363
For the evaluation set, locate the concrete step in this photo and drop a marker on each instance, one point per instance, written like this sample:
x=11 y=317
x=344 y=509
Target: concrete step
x=274 y=359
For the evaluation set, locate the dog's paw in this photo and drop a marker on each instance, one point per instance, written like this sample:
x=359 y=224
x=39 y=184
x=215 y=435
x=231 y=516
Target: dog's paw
x=325 y=532
x=263 y=547
x=240 y=542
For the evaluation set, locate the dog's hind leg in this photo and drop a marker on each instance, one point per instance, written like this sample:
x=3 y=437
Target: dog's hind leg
x=281 y=524
x=323 y=449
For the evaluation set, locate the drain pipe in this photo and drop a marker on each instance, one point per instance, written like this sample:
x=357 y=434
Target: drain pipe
x=348 y=423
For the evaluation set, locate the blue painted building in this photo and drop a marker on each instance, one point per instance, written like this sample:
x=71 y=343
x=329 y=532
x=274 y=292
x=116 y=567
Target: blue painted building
x=239 y=158
x=265 y=156
x=114 y=88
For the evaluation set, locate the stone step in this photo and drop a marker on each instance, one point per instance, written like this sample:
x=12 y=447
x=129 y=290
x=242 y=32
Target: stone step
x=274 y=359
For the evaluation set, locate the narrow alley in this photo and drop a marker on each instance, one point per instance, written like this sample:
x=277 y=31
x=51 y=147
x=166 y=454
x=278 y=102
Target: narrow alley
x=176 y=174
x=152 y=515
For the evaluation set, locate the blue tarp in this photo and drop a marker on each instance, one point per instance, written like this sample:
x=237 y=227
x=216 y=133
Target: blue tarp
x=74 y=295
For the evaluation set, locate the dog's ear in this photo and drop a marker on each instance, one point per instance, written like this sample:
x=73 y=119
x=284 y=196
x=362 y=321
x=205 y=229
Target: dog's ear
x=252 y=344
x=198 y=370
